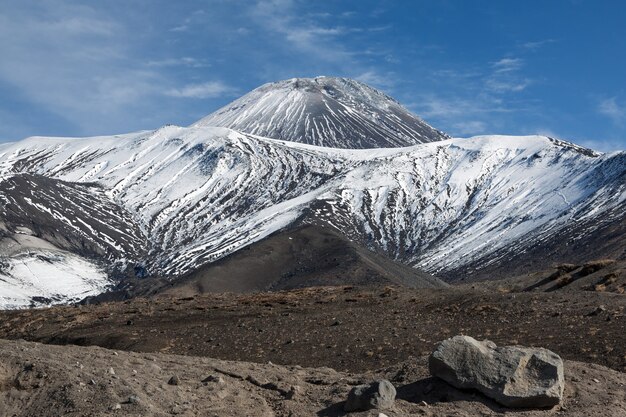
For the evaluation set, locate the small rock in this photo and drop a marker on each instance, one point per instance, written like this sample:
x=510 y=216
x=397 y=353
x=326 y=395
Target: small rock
x=382 y=415
x=294 y=392
x=596 y=380
x=601 y=309
x=379 y=394
x=424 y=404
x=133 y=399
x=111 y=371
x=514 y=376
x=173 y=380
x=92 y=382
x=114 y=407
x=214 y=378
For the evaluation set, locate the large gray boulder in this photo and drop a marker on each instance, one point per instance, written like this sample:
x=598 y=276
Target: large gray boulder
x=379 y=394
x=514 y=376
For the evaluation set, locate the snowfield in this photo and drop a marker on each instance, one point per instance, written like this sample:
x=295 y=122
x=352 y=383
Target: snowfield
x=42 y=278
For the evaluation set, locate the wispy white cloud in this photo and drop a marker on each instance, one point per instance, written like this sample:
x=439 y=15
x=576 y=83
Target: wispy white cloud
x=612 y=109
x=507 y=65
x=505 y=76
x=376 y=79
x=179 y=28
x=189 y=21
x=204 y=90
x=470 y=127
x=601 y=145
x=503 y=86
x=176 y=62
x=544 y=131
x=534 y=45
x=66 y=58
x=85 y=65
x=283 y=18
x=458 y=110
x=476 y=97
x=312 y=37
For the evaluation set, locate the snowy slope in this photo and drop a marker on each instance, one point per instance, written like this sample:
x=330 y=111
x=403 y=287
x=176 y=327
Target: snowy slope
x=44 y=277
x=199 y=194
x=442 y=206
x=79 y=218
x=324 y=111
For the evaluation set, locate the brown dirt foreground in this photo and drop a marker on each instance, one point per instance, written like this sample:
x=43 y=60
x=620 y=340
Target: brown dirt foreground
x=346 y=328
x=45 y=380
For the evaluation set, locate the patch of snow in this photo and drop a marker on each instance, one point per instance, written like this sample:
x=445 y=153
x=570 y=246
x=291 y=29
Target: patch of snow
x=45 y=277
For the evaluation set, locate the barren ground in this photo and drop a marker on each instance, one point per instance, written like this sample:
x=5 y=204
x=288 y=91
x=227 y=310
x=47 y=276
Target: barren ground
x=344 y=335
x=42 y=380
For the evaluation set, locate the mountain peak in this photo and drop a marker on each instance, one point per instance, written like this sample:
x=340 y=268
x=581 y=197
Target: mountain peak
x=325 y=111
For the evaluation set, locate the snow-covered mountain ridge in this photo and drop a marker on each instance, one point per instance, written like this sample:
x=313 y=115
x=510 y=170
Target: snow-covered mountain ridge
x=199 y=194
x=324 y=111
x=164 y=203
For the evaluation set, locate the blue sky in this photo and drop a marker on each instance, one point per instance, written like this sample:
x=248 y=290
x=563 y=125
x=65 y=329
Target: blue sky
x=512 y=67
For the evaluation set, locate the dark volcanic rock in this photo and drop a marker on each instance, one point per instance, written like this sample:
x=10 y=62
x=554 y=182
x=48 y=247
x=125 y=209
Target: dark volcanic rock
x=303 y=256
x=78 y=217
x=514 y=376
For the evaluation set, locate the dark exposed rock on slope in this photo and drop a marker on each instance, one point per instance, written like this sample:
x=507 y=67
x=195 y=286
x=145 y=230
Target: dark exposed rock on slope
x=301 y=257
x=76 y=217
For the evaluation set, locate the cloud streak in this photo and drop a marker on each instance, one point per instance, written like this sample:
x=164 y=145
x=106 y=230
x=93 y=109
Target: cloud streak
x=476 y=97
x=507 y=65
x=85 y=64
x=282 y=18
x=613 y=110
x=185 y=61
x=200 y=91
x=535 y=45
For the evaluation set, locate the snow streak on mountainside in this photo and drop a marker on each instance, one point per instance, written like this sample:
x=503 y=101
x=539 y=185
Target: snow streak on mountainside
x=444 y=206
x=199 y=194
x=76 y=217
x=324 y=111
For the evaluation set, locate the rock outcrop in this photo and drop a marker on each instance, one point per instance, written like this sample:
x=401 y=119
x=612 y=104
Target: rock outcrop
x=513 y=376
x=379 y=394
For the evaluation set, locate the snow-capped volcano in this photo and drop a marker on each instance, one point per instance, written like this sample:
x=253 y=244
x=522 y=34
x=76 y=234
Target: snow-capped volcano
x=166 y=202
x=324 y=111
